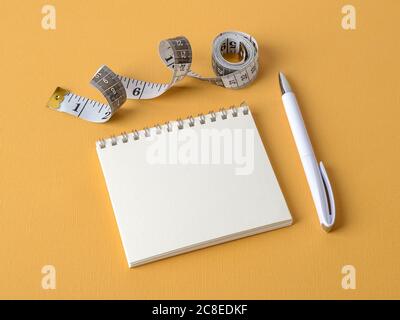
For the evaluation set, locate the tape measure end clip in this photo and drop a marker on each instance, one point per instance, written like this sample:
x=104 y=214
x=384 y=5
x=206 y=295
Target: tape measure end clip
x=57 y=97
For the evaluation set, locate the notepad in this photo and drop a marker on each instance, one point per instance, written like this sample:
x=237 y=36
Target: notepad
x=190 y=184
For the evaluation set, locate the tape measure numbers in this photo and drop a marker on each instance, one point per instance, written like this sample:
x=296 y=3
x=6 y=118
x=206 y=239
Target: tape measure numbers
x=176 y=53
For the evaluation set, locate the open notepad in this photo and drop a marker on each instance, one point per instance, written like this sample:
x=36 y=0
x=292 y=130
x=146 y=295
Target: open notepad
x=190 y=184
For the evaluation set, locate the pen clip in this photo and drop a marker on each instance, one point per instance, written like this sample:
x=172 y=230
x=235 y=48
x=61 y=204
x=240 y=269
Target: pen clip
x=330 y=219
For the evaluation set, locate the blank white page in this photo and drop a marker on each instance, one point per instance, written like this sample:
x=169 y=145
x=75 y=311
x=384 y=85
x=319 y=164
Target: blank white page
x=164 y=208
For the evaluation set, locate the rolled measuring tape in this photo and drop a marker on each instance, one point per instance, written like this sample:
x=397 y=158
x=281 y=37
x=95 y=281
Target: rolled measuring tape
x=176 y=53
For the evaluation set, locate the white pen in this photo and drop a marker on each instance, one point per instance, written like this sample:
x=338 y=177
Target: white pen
x=317 y=177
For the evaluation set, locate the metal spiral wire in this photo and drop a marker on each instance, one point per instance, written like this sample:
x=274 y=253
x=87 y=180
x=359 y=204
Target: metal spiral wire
x=190 y=121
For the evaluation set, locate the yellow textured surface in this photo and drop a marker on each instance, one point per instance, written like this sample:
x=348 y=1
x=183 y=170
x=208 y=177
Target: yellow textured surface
x=54 y=206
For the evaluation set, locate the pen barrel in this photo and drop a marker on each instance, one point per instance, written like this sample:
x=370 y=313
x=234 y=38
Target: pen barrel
x=297 y=125
x=306 y=153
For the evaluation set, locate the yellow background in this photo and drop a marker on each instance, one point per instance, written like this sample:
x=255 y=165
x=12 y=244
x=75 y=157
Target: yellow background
x=54 y=207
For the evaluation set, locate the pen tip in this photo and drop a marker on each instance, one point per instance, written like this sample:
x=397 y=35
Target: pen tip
x=284 y=84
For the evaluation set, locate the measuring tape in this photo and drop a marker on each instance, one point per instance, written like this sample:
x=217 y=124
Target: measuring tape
x=176 y=53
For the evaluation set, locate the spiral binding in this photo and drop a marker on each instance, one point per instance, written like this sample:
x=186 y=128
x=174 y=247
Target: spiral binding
x=180 y=124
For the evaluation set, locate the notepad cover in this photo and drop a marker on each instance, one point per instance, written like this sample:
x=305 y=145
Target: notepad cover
x=164 y=209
